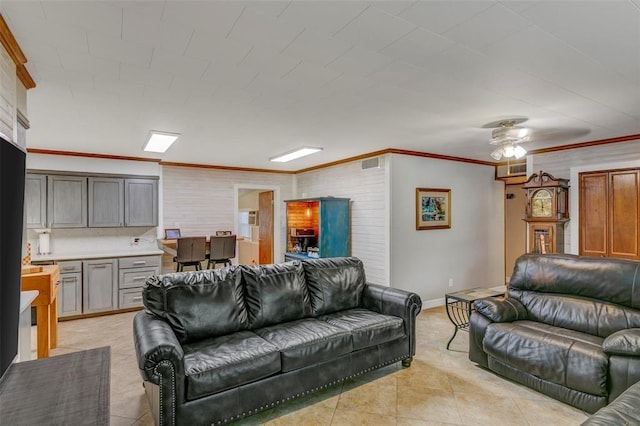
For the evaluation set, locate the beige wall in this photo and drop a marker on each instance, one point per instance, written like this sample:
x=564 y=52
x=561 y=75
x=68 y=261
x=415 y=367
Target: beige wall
x=515 y=229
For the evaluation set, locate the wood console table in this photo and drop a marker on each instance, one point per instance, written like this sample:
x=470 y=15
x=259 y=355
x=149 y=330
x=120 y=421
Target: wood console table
x=46 y=304
x=70 y=389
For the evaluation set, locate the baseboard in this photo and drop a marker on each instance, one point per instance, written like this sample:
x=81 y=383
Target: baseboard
x=434 y=303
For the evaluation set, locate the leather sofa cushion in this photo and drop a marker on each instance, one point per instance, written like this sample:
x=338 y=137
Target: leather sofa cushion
x=198 y=304
x=565 y=357
x=307 y=342
x=576 y=313
x=606 y=279
x=276 y=293
x=368 y=328
x=335 y=284
x=624 y=410
x=220 y=363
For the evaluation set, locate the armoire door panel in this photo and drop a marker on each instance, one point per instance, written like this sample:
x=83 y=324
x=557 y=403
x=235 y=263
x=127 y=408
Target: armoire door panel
x=593 y=214
x=623 y=214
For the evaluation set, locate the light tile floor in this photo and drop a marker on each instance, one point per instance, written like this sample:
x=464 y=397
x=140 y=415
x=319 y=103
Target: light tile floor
x=441 y=386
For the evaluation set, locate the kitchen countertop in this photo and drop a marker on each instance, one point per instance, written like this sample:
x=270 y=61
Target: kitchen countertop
x=97 y=254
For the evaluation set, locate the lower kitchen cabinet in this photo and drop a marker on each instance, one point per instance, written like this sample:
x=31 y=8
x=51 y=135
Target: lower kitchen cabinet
x=70 y=289
x=99 y=285
x=133 y=272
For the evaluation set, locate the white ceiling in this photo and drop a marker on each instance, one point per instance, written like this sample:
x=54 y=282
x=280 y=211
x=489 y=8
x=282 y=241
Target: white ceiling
x=243 y=81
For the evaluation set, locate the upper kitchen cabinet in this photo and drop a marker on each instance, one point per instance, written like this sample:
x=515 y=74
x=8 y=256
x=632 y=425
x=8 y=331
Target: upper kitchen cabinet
x=106 y=202
x=141 y=202
x=36 y=201
x=67 y=201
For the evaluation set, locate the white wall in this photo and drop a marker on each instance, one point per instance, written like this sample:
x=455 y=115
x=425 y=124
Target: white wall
x=369 y=194
x=568 y=164
x=201 y=201
x=471 y=252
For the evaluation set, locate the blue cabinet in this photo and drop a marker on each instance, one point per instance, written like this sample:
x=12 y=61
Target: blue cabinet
x=321 y=225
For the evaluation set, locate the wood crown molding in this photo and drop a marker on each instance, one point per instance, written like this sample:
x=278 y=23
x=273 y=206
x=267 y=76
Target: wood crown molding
x=617 y=139
x=627 y=138
x=400 y=152
x=10 y=44
x=232 y=168
x=90 y=155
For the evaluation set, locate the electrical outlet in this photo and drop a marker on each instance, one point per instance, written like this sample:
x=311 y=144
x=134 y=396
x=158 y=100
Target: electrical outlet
x=135 y=241
x=450 y=282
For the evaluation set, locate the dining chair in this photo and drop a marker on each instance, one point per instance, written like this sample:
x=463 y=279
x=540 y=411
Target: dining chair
x=190 y=252
x=222 y=250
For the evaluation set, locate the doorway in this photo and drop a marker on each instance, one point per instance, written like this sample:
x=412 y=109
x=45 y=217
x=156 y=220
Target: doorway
x=515 y=228
x=259 y=242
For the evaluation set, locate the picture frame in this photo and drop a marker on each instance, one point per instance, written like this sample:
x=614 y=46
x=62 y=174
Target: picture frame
x=433 y=208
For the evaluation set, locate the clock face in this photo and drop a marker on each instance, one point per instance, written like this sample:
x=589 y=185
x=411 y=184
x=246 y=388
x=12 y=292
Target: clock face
x=541 y=203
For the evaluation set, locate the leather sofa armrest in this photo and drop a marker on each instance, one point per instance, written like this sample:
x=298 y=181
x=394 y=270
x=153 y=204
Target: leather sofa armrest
x=396 y=302
x=501 y=310
x=391 y=301
x=156 y=346
x=623 y=342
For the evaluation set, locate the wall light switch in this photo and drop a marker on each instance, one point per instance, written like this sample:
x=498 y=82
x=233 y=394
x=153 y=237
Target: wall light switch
x=450 y=282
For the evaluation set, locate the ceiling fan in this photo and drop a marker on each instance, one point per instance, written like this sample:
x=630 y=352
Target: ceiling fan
x=508 y=136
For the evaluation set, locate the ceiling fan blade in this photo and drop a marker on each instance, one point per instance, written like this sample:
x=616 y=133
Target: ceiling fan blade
x=558 y=134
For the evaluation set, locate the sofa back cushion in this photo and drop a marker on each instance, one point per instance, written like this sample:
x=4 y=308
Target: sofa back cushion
x=198 y=304
x=275 y=293
x=335 y=284
x=593 y=295
x=608 y=280
x=576 y=313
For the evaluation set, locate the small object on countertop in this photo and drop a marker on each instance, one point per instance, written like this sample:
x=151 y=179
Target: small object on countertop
x=313 y=252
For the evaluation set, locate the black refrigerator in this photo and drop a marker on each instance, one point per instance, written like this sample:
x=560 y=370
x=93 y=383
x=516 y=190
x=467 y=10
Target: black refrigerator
x=12 y=182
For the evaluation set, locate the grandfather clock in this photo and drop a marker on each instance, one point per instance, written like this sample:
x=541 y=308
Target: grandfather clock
x=546 y=213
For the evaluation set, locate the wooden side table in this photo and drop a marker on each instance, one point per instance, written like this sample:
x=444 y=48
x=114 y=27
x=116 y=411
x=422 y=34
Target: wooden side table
x=460 y=305
x=46 y=304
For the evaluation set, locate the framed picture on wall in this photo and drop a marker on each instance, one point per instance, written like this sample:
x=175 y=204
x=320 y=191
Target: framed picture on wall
x=433 y=208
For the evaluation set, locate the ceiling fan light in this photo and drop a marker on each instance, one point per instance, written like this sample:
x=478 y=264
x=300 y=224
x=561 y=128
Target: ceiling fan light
x=508 y=151
x=497 y=154
x=519 y=152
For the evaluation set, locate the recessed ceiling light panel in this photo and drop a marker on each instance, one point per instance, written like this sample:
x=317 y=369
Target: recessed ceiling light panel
x=159 y=141
x=292 y=155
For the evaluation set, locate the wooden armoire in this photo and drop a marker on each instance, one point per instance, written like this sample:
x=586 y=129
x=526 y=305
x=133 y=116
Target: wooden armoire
x=609 y=213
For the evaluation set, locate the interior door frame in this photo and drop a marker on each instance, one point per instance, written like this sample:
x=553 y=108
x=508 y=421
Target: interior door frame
x=278 y=252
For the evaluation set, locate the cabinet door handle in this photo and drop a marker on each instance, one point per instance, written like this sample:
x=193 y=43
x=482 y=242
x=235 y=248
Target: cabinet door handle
x=65 y=279
x=68 y=268
x=137 y=298
x=140 y=262
x=99 y=266
x=142 y=278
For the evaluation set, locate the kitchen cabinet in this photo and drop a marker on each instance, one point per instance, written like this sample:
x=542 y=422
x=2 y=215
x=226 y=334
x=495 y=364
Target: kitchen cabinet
x=96 y=201
x=70 y=289
x=133 y=272
x=319 y=223
x=99 y=285
x=36 y=201
x=106 y=202
x=66 y=201
x=141 y=202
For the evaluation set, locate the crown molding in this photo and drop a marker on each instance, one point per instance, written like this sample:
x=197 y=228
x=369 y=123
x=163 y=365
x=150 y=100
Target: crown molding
x=90 y=155
x=10 y=44
x=598 y=142
x=232 y=168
